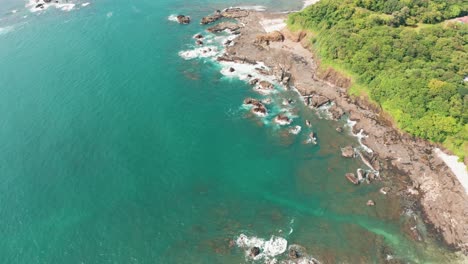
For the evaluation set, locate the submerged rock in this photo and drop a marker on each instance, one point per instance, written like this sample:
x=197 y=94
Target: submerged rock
x=183 y=19
x=199 y=42
x=352 y=178
x=347 y=152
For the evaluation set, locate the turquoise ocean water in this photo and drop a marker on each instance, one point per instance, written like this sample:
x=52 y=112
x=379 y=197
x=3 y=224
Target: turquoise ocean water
x=114 y=149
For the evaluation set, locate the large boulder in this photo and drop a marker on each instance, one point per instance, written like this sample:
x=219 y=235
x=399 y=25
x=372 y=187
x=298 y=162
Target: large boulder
x=183 y=19
x=274 y=36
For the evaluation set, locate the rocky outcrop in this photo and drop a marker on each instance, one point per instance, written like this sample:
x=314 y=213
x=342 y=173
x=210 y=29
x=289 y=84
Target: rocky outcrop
x=317 y=100
x=236 y=59
x=226 y=13
x=233 y=27
x=254 y=251
x=336 y=112
x=183 y=19
x=274 y=36
x=282 y=120
x=257 y=107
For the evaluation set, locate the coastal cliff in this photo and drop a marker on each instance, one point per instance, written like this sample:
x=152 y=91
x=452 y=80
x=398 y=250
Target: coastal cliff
x=443 y=199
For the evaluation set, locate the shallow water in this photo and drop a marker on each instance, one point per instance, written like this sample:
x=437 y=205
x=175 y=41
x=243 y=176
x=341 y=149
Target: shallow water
x=114 y=149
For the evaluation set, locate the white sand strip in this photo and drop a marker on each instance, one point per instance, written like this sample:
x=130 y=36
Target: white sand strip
x=458 y=168
x=271 y=25
x=309 y=3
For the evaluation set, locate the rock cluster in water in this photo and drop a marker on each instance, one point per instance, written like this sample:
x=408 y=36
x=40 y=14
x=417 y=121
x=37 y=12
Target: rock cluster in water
x=226 y=13
x=183 y=19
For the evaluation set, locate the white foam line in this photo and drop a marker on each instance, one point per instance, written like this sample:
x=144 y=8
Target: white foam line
x=5 y=30
x=268 y=248
x=458 y=168
x=40 y=5
x=359 y=135
x=258 y=8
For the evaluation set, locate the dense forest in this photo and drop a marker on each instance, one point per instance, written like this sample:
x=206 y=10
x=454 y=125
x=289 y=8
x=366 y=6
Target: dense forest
x=408 y=55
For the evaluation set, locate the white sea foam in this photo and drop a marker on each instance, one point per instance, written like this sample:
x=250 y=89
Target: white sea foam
x=359 y=135
x=65 y=7
x=172 y=18
x=85 y=4
x=257 y=8
x=203 y=52
x=40 y=5
x=295 y=130
x=324 y=111
x=270 y=25
x=268 y=248
x=14 y=11
x=458 y=168
x=109 y=14
x=5 y=30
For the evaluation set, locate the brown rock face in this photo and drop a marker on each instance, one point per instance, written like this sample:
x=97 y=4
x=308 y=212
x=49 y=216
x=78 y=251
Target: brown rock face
x=274 y=36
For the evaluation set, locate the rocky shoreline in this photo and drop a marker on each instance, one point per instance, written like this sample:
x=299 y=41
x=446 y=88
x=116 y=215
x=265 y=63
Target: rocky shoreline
x=443 y=200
